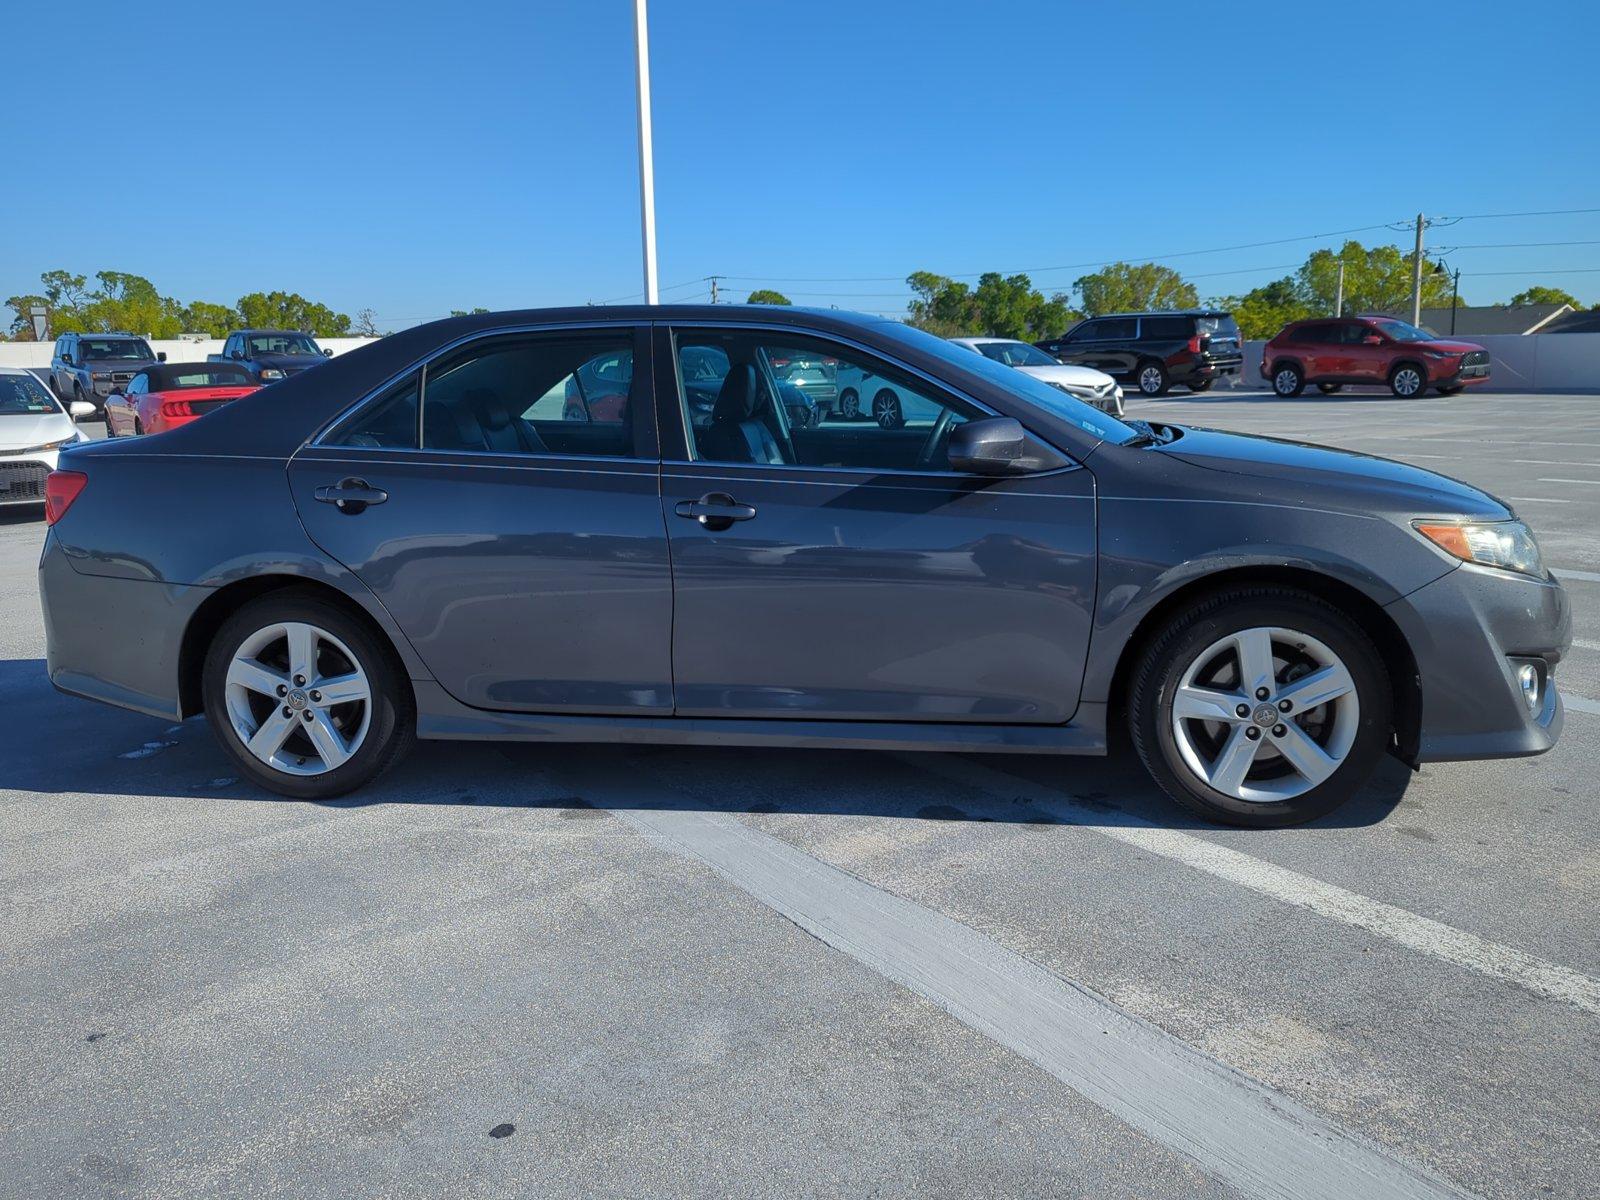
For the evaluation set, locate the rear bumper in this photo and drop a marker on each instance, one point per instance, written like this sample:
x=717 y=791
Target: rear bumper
x=1214 y=368
x=113 y=640
x=1469 y=632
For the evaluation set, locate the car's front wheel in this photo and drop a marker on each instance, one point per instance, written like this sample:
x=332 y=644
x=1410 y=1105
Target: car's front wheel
x=1329 y=389
x=849 y=404
x=1451 y=391
x=1201 y=385
x=305 y=698
x=1288 y=381
x=1260 y=707
x=1407 y=381
x=886 y=410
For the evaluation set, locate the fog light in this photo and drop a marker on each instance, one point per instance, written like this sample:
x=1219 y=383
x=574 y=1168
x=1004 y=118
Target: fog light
x=1528 y=681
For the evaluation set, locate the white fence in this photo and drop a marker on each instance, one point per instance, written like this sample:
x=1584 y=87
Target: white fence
x=1550 y=362
x=37 y=354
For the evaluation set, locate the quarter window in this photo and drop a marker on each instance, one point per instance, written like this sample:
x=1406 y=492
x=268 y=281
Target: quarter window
x=1166 y=328
x=388 y=423
x=745 y=401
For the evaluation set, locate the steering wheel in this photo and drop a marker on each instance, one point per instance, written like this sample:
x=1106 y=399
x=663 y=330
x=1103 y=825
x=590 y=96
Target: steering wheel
x=941 y=428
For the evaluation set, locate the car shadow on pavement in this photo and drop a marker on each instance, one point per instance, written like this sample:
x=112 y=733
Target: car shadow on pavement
x=65 y=745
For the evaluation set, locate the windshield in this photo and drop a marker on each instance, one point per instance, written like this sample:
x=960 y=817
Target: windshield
x=1035 y=391
x=24 y=396
x=283 y=343
x=1016 y=354
x=123 y=349
x=1403 y=331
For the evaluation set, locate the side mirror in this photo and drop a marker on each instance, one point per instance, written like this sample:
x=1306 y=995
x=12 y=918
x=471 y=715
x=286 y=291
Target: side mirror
x=67 y=359
x=992 y=446
x=1372 y=339
x=239 y=354
x=327 y=354
x=116 y=389
x=161 y=356
x=81 y=409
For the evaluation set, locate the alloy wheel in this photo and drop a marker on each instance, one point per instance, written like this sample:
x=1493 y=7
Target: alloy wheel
x=1285 y=382
x=1407 y=381
x=1265 y=714
x=298 y=698
x=1150 y=380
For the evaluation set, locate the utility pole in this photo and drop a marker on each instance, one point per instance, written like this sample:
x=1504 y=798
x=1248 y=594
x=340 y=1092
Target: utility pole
x=1455 y=299
x=647 y=171
x=1416 y=273
x=1338 y=304
x=713 y=279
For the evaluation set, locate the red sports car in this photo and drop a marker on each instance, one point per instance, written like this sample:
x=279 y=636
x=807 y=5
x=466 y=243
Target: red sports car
x=166 y=395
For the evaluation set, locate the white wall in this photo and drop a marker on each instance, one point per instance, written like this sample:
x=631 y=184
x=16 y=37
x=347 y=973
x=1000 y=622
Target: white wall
x=1555 y=362
x=37 y=354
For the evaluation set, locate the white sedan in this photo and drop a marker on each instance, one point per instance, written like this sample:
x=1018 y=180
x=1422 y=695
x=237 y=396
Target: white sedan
x=34 y=429
x=1087 y=384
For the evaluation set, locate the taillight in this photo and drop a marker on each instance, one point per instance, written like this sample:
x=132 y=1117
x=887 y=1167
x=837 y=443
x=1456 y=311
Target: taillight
x=830 y=362
x=1194 y=344
x=61 y=488
x=779 y=364
x=176 y=408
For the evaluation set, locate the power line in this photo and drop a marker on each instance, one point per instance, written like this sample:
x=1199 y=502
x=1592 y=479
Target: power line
x=1510 y=245
x=1548 y=212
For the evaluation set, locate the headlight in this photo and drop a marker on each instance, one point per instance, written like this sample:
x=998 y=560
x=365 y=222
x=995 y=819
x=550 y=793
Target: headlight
x=1508 y=545
x=66 y=441
x=271 y=373
x=1440 y=354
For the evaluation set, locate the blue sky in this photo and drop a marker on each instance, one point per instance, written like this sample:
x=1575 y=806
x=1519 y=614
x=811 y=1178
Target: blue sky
x=414 y=158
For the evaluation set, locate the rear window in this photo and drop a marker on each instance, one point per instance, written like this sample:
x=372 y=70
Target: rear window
x=1159 y=328
x=1224 y=326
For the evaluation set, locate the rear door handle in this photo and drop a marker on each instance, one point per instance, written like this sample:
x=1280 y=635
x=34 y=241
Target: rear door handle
x=351 y=495
x=715 y=511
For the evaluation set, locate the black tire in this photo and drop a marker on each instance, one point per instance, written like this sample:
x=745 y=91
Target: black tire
x=886 y=410
x=1408 y=381
x=1288 y=380
x=111 y=430
x=1328 y=389
x=1151 y=377
x=849 y=404
x=79 y=398
x=1451 y=391
x=138 y=429
x=1201 y=385
x=392 y=719
x=1186 y=637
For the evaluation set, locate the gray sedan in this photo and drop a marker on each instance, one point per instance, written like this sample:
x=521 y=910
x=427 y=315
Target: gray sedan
x=419 y=540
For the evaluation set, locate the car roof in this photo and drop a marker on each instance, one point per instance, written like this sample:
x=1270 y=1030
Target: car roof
x=1169 y=312
x=294 y=332
x=16 y=371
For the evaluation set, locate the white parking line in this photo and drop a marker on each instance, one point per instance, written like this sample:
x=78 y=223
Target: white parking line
x=1254 y=1140
x=1536 y=500
x=1585 y=644
x=1546 y=462
x=1405 y=928
x=1588 y=481
x=1567 y=573
x=1583 y=704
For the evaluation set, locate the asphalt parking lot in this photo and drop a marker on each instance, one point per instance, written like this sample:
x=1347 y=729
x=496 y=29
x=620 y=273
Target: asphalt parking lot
x=590 y=971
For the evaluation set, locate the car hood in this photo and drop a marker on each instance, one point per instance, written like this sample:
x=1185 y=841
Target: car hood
x=1449 y=346
x=290 y=362
x=103 y=366
x=18 y=431
x=1386 y=481
x=1065 y=373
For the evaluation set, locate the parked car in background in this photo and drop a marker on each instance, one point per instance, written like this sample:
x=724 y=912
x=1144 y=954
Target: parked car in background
x=1335 y=351
x=598 y=390
x=401 y=553
x=86 y=366
x=813 y=374
x=1153 y=351
x=703 y=370
x=271 y=354
x=34 y=429
x=167 y=395
x=1087 y=384
x=862 y=393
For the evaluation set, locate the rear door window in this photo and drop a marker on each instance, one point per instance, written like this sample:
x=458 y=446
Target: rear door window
x=1165 y=329
x=1116 y=329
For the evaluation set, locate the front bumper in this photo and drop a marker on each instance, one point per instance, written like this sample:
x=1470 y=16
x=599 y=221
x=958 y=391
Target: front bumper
x=22 y=476
x=1469 y=631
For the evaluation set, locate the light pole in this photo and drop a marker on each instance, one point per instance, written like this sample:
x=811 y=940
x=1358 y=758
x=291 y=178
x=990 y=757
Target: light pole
x=1455 y=291
x=647 y=172
x=41 y=322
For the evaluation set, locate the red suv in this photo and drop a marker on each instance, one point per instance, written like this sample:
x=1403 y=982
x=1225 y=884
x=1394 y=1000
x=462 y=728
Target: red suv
x=1332 y=352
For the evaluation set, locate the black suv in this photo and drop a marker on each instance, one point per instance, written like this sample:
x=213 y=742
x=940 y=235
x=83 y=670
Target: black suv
x=1153 y=351
x=87 y=366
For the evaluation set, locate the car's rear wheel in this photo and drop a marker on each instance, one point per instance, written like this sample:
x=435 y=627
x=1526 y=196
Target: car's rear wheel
x=1328 y=389
x=305 y=698
x=849 y=404
x=1451 y=391
x=1260 y=707
x=1152 y=378
x=1407 y=381
x=886 y=410
x=1288 y=381
x=1201 y=385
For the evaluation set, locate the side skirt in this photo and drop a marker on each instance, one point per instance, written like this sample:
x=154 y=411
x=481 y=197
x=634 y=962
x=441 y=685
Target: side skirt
x=440 y=717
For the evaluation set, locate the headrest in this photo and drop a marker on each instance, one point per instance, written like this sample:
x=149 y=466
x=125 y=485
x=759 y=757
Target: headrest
x=491 y=410
x=739 y=395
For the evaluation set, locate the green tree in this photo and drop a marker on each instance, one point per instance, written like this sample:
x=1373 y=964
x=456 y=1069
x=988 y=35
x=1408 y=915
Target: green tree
x=21 y=328
x=767 y=296
x=1539 y=294
x=1262 y=312
x=290 y=310
x=1375 y=280
x=1135 y=287
x=213 y=320
x=1000 y=306
x=459 y=312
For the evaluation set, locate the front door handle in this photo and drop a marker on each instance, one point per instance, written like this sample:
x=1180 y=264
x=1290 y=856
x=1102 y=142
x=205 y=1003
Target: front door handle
x=351 y=495
x=715 y=511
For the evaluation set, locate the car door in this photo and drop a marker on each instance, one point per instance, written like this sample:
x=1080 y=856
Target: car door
x=1367 y=352
x=844 y=571
x=119 y=408
x=1078 y=346
x=516 y=541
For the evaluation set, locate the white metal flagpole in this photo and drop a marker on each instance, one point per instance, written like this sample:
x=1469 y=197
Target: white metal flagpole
x=647 y=172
